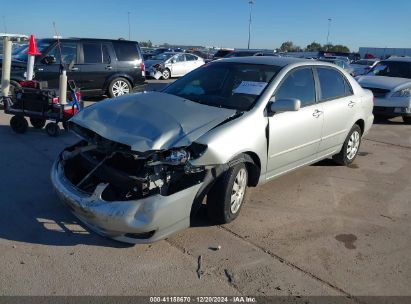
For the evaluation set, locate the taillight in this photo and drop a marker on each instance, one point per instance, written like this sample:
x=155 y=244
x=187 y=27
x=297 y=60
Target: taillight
x=143 y=68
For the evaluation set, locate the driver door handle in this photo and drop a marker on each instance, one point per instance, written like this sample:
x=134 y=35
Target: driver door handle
x=74 y=69
x=317 y=113
x=351 y=104
x=109 y=67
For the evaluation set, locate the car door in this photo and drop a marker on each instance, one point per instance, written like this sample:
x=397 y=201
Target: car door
x=95 y=66
x=339 y=105
x=193 y=62
x=179 y=66
x=294 y=137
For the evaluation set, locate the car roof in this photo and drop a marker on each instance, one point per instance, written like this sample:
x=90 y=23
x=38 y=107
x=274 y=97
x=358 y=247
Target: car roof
x=267 y=60
x=399 y=59
x=88 y=39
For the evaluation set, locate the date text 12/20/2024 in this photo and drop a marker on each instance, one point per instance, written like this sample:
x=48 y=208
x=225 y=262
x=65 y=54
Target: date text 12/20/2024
x=236 y=299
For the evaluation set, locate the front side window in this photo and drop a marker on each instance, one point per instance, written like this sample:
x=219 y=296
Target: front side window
x=333 y=84
x=190 y=57
x=227 y=85
x=92 y=52
x=68 y=52
x=180 y=58
x=298 y=84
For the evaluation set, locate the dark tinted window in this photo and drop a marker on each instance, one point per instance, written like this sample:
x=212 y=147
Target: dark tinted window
x=399 y=69
x=333 y=84
x=92 y=52
x=106 y=54
x=68 y=52
x=298 y=84
x=126 y=51
x=190 y=57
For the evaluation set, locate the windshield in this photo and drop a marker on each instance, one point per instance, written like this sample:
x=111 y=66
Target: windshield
x=399 y=69
x=21 y=53
x=225 y=84
x=163 y=56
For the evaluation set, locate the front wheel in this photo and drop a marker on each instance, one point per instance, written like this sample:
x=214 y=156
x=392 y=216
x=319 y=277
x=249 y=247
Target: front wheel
x=166 y=74
x=119 y=87
x=227 y=196
x=350 y=148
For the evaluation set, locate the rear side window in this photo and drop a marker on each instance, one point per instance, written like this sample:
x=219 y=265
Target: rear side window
x=126 y=51
x=190 y=57
x=298 y=84
x=333 y=84
x=92 y=52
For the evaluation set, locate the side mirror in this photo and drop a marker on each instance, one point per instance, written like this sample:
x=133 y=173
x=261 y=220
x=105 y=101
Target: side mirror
x=49 y=60
x=284 y=105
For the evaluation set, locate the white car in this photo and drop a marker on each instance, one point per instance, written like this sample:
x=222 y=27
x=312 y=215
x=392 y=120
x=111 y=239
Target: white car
x=171 y=64
x=363 y=66
x=390 y=82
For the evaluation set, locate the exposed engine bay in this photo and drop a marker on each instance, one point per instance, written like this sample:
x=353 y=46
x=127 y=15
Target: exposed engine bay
x=129 y=175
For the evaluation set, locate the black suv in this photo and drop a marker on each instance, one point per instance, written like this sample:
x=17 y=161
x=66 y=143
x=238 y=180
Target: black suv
x=98 y=66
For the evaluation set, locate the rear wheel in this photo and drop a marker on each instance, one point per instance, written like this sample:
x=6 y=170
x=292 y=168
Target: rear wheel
x=19 y=124
x=38 y=123
x=225 y=199
x=119 y=87
x=53 y=129
x=407 y=119
x=350 y=148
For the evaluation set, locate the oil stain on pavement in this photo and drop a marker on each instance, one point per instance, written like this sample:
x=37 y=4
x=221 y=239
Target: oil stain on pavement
x=347 y=239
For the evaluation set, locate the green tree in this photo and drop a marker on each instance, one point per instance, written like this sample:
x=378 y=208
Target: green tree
x=287 y=46
x=314 y=47
x=146 y=44
x=340 y=48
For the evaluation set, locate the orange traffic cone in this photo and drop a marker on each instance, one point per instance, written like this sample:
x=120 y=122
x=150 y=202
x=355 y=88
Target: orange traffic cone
x=33 y=51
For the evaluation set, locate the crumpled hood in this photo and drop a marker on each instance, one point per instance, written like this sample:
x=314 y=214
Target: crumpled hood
x=151 y=121
x=383 y=82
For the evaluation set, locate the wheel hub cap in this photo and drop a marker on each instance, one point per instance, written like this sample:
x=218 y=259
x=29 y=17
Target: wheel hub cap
x=120 y=88
x=238 y=191
x=353 y=145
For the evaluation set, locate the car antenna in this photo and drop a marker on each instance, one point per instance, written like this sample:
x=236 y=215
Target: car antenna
x=59 y=46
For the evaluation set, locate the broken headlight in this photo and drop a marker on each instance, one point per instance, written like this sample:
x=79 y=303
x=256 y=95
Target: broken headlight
x=177 y=157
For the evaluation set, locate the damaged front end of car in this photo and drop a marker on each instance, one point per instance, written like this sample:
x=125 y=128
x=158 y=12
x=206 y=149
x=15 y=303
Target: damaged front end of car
x=127 y=195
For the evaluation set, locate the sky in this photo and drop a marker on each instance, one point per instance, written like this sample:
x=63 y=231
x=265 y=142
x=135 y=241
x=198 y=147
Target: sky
x=221 y=23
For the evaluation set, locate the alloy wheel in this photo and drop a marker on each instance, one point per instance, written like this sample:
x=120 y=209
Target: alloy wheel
x=353 y=145
x=238 y=191
x=120 y=87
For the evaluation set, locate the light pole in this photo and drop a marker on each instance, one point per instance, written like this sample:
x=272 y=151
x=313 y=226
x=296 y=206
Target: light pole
x=251 y=2
x=5 y=24
x=328 y=33
x=129 y=27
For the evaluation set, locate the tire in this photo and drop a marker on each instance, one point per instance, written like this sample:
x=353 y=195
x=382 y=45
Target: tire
x=220 y=206
x=407 y=119
x=19 y=124
x=53 y=129
x=166 y=74
x=38 y=123
x=119 y=87
x=350 y=148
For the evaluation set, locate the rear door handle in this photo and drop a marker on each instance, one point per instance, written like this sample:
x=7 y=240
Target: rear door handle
x=74 y=69
x=317 y=113
x=40 y=69
x=351 y=104
x=109 y=67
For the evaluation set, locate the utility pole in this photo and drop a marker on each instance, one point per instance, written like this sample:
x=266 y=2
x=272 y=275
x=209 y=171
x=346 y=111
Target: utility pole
x=129 y=27
x=251 y=2
x=4 y=24
x=329 y=29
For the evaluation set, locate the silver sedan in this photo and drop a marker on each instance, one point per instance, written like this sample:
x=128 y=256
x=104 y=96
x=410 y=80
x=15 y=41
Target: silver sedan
x=147 y=161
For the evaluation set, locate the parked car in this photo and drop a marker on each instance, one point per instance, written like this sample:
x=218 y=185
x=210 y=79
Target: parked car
x=247 y=53
x=390 y=81
x=341 y=63
x=363 y=66
x=172 y=64
x=98 y=66
x=222 y=53
x=147 y=161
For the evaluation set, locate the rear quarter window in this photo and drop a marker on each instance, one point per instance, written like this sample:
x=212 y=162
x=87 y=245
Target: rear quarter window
x=126 y=51
x=333 y=84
